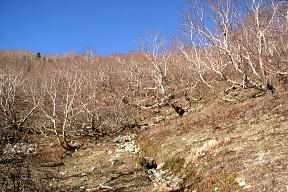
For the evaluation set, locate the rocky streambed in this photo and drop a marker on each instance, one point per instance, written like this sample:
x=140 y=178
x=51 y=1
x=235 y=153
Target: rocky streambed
x=161 y=179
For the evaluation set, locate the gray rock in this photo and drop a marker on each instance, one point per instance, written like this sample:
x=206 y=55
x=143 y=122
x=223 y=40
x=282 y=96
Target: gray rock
x=127 y=143
x=175 y=184
x=160 y=166
x=130 y=147
x=125 y=138
x=148 y=163
x=116 y=162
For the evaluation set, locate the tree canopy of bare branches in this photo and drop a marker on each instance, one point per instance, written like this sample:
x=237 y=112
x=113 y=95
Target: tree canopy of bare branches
x=229 y=38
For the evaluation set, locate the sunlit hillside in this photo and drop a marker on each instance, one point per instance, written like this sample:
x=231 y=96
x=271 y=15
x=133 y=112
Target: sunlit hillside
x=206 y=110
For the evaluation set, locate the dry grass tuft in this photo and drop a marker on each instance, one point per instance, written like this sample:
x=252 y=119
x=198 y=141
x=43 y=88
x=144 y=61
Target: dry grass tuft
x=206 y=148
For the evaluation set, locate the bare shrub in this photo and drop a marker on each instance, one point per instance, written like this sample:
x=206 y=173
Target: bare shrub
x=19 y=177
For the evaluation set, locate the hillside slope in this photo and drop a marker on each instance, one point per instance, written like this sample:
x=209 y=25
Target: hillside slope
x=240 y=145
x=226 y=146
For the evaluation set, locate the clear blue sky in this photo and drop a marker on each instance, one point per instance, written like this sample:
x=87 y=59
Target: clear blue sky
x=58 y=26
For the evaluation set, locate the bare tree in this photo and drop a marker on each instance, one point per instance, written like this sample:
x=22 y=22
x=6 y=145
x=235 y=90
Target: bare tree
x=262 y=38
x=64 y=100
x=17 y=102
x=222 y=36
x=158 y=56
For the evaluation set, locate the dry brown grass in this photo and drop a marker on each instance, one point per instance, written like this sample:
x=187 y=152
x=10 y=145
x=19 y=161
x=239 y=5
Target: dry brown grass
x=244 y=139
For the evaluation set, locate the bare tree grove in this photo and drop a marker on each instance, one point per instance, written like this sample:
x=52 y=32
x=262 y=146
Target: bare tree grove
x=223 y=45
x=244 y=43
